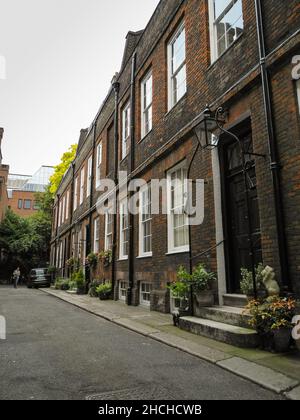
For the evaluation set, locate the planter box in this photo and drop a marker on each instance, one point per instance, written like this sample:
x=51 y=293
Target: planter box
x=203 y=299
x=105 y=296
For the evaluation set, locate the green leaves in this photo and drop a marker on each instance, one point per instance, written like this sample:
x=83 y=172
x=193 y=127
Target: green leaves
x=60 y=170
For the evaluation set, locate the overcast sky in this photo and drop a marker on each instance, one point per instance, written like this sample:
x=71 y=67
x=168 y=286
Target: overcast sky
x=60 y=58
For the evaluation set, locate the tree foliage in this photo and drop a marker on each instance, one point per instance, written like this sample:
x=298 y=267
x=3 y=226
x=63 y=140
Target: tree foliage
x=25 y=242
x=60 y=170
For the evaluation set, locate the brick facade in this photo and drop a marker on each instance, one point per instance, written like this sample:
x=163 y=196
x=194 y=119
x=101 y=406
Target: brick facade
x=232 y=81
x=4 y=169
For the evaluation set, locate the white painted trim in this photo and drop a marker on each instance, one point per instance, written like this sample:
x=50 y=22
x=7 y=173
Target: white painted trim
x=181 y=27
x=171 y=248
x=222 y=286
x=143 y=254
x=143 y=82
x=298 y=93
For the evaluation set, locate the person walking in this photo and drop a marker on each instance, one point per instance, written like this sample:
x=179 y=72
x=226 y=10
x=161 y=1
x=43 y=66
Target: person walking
x=16 y=277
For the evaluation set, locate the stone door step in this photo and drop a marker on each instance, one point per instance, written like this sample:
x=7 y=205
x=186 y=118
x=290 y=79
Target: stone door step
x=226 y=314
x=230 y=334
x=238 y=301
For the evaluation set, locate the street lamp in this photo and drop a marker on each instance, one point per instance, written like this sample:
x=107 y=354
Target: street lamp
x=207 y=126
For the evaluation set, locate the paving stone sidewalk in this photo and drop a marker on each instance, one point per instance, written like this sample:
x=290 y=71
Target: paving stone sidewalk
x=277 y=372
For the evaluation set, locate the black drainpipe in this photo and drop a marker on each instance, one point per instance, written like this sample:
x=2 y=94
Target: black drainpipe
x=89 y=227
x=275 y=164
x=131 y=168
x=56 y=228
x=116 y=88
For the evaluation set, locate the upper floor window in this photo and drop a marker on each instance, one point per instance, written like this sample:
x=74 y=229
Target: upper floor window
x=67 y=204
x=98 y=165
x=146 y=104
x=124 y=230
x=108 y=231
x=63 y=214
x=20 y=203
x=177 y=67
x=81 y=185
x=145 y=231
x=125 y=130
x=27 y=204
x=178 y=232
x=226 y=24
x=89 y=176
x=75 y=194
x=96 y=235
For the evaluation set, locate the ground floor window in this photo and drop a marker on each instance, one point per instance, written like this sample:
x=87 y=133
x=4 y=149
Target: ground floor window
x=122 y=291
x=145 y=292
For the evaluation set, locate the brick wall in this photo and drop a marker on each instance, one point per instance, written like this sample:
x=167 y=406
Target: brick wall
x=232 y=81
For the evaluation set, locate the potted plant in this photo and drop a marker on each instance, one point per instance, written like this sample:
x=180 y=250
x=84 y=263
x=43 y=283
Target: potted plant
x=272 y=319
x=51 y=271
x=106 y=257
x=78 y=277
x=65 y=285
x=202 y=282
x=247 y=286
x=93 y=286
x=92 y=259
x=58 y=283
x=282 y=312
x=104 y=291
x=180 y=290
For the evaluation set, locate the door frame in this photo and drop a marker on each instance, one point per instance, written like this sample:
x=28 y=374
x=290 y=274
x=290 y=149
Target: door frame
x=240 y=128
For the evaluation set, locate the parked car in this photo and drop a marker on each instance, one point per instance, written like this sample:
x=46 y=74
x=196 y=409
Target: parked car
x=38 y=277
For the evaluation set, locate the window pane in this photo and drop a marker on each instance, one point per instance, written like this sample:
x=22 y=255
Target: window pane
x=178 y=53
x=220 y=6
x=179 y=84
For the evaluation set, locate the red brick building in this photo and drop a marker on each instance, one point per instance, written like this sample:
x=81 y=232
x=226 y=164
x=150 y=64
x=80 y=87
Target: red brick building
x=239 y=55
x=4 y=169
x=22 y=190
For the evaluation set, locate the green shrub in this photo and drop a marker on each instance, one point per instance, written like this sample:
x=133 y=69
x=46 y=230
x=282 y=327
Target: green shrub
x=104 y=288
x=247 y=280
x=93 y=286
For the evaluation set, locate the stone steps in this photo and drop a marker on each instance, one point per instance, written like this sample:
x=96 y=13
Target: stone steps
x=226 y=333
x=238 y=301
x=226 y=315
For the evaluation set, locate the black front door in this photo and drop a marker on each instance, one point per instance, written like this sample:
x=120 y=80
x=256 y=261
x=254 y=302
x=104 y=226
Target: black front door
x=238 y=243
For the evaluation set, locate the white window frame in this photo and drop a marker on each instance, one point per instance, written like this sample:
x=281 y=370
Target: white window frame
x=67 y=204
x=144 y=302
x=98 y=164
x=108 y=243
x=59 y=213
x=142 y=252
x=146 y=109
x=213 y=29
x=126 y=117
x=96 y=246
x=82 y=181
x=122 y=291
x=172 y=249
x=89 y=176
x=79 y=245
x=172 y=75
x=63 y=210
x=123 y=229
x=298 y=93
x=75 y=203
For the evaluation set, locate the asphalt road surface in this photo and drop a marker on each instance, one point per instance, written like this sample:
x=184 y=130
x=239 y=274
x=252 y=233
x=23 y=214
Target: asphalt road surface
x=56 y=351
